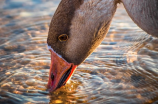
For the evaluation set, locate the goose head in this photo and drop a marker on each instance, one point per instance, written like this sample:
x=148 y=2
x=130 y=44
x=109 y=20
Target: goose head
x=79 y=26
x=75 y=31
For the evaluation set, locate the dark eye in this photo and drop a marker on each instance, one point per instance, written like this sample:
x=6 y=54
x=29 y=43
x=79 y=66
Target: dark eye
x=63 y=37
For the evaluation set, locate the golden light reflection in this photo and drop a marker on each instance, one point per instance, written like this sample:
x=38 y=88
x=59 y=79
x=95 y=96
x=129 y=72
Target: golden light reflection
x=8 y=73
x=112 y=37
x=58 y=101
x=17 y=92
x=131 y=56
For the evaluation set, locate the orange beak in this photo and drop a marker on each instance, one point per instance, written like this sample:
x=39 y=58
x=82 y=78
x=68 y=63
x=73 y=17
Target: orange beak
x=60 y=72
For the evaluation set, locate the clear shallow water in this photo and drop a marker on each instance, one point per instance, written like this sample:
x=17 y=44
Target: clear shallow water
x=122 y=70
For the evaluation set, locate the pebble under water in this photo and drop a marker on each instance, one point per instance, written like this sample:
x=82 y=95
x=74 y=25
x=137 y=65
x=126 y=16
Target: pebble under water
x=122 y=70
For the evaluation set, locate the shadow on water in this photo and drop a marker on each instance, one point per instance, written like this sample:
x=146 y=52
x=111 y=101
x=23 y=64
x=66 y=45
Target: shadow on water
x=122 y=70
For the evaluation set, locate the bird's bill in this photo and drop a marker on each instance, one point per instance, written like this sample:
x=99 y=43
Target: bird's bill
x=60 y=71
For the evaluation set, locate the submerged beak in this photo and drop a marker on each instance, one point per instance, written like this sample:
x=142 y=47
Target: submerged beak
x=60 y=71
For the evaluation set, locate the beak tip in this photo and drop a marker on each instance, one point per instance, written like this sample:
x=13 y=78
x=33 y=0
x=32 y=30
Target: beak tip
x=62 y=72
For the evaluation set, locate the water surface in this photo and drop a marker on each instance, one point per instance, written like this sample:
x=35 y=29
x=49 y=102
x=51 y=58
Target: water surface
x=122 y=70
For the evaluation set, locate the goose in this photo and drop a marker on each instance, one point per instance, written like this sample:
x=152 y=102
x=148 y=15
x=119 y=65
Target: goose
x=79 y=26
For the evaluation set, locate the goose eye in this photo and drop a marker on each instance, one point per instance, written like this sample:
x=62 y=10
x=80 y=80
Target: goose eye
x=63 y=37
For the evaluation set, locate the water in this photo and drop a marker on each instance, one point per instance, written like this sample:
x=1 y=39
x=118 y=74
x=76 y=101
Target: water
x=122 y=70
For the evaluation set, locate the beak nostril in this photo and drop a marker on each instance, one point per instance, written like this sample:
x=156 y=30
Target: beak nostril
x=52 y=76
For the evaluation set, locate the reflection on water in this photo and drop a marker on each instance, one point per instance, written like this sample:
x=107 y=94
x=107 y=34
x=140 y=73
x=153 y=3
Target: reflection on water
x=122 y=70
